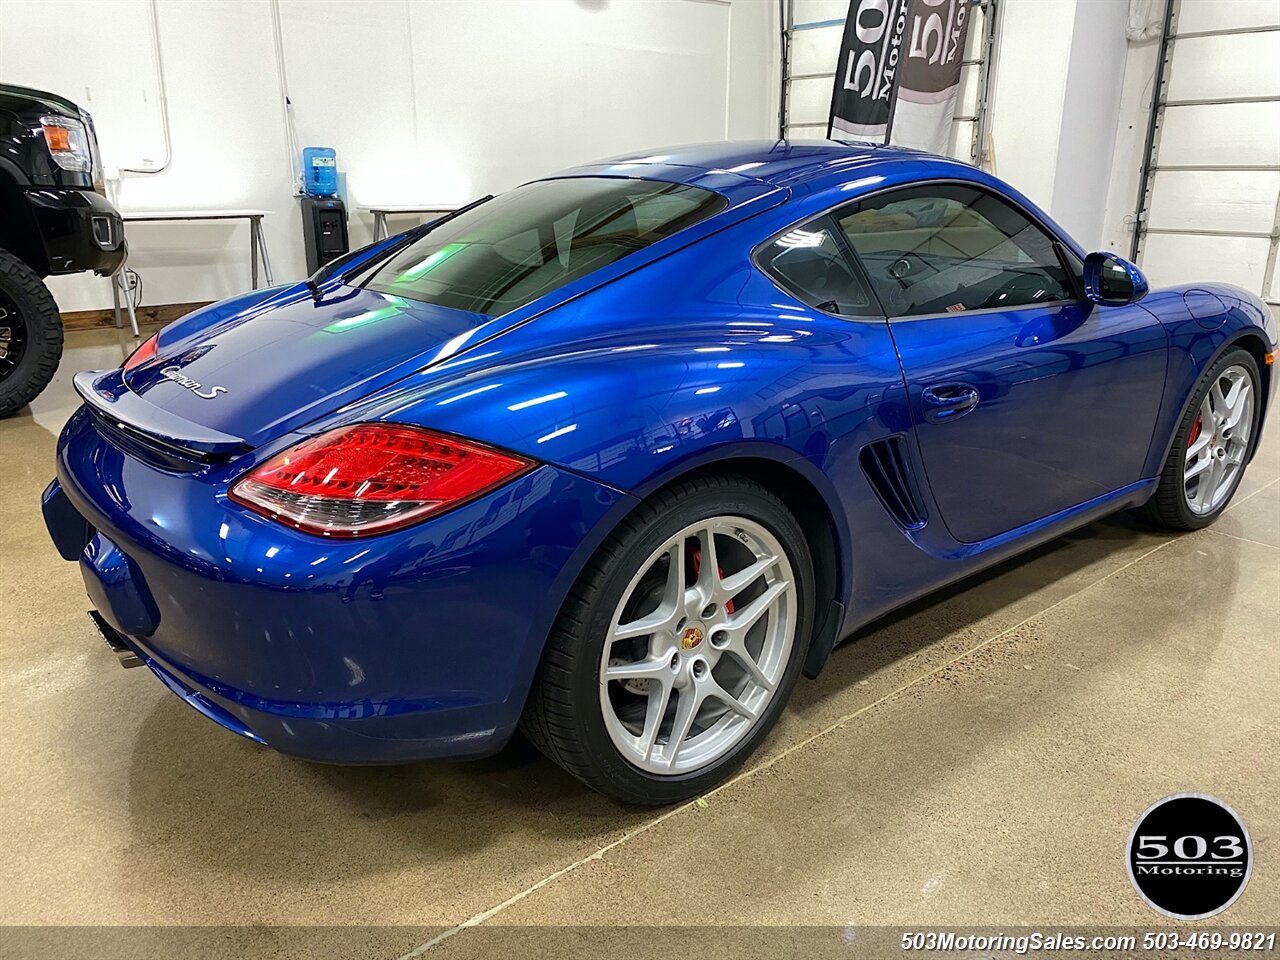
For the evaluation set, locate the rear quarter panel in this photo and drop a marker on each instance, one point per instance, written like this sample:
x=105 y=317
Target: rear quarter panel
x=695 y=359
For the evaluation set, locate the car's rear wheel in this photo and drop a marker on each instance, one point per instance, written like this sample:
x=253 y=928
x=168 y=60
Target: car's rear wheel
x=679 y=645
x=1212 y=447
x=30 y=335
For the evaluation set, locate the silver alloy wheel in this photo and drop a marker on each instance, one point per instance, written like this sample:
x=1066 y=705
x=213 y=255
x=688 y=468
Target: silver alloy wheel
x=1219 y=441
x=698 y=645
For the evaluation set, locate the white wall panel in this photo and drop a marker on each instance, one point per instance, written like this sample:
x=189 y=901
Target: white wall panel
x=755 y=69
x=377 y=144
x=1241 y=65
x=809 y=133
x=1035 y=52
x=1243 y=200
x=816 y=50
x=1198 y=15
x=1172 y=258
x=229 y=151
x=498 y=109
x=1196 y=135
x=967 y=97
x=1090 y=111
x=811 y=101
x=815 y=11
x=100 y=56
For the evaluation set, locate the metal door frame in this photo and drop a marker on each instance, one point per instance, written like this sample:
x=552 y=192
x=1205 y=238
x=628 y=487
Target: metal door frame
x=1151 y=151
x=985 y=61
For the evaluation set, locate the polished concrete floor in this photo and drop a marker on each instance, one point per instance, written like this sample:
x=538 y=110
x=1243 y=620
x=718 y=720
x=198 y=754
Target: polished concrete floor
x=978 y=759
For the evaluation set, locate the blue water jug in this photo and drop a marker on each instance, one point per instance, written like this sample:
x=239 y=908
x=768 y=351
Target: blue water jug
x=320 y=171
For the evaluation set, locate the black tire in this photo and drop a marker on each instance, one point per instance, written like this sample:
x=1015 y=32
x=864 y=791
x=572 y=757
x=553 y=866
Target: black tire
x=563 y=716
x=30 y=335
x=1168 y=506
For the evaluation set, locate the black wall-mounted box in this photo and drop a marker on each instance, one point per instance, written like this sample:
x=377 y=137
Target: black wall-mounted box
x=324 y=230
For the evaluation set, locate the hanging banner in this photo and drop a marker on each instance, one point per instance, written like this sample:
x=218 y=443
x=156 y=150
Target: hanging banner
x=862 y=101
x=929 y=82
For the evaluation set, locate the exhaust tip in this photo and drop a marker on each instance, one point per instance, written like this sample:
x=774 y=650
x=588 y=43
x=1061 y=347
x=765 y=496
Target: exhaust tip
x=115 y=641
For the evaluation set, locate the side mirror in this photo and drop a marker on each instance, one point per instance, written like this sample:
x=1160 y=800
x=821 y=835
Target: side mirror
x=1112 y=280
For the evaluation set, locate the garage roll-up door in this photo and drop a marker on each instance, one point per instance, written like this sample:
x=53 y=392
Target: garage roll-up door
x=1209 y=197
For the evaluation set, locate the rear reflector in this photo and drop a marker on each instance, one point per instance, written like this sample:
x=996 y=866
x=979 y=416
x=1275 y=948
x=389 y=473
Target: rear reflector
x=373 y=478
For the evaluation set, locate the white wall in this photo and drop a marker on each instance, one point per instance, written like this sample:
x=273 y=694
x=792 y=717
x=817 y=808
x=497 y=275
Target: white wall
x=425 y=102
x=1056 y=103
x=1030 y=88
x=755 y=69
x=1090 y=113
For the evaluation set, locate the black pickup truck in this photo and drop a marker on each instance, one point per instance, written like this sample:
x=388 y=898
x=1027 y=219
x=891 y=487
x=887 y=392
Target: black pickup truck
x=54 y=218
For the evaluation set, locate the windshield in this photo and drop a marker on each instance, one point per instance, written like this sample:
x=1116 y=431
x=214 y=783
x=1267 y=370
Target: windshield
x=526 y=243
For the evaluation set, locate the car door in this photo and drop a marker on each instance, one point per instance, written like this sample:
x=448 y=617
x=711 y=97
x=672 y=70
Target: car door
x=1027 y=399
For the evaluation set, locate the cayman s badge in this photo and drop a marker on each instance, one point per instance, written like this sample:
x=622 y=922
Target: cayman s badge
x=195 y=386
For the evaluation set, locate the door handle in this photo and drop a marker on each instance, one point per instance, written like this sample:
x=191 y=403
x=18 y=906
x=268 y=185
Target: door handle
x=948 y=401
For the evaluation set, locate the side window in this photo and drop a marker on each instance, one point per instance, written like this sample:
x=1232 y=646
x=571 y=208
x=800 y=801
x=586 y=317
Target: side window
x=810 y=263
x=947 y=248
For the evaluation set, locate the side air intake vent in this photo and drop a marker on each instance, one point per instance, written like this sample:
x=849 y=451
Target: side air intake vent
x=887 y=468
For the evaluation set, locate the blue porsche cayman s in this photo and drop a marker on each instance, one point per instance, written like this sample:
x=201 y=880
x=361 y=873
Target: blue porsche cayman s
x=618 y=455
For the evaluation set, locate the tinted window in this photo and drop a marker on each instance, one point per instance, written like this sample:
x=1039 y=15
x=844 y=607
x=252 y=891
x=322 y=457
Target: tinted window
x=945 y=248
x=810 y=263
x=526 y=243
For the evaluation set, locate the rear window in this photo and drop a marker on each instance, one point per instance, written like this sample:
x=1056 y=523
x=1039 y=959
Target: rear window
x=526 y=243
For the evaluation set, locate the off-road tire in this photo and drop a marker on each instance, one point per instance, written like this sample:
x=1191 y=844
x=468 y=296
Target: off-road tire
x=38 y=314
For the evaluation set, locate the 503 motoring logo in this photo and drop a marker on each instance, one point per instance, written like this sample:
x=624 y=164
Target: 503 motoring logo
x=1189 y=856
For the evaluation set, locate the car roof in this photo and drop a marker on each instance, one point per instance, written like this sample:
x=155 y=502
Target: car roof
x=775 y=162
x=800 y=173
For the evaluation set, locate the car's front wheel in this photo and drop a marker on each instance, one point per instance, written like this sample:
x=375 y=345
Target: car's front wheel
x=679 y=645
x=1213 y=445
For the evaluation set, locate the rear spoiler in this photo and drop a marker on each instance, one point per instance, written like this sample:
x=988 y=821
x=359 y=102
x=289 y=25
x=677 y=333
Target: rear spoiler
x=109 y=397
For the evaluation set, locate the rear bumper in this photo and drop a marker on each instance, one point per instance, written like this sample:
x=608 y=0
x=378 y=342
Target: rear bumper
x=416 y=644
x=81 y=230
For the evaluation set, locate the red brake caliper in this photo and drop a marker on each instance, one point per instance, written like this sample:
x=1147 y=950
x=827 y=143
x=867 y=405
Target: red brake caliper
x=695 y=561
x=1195 y=430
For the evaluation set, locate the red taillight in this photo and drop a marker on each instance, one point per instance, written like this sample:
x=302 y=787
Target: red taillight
x=144 y=353
x=373 y=478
